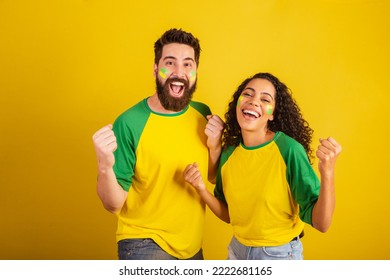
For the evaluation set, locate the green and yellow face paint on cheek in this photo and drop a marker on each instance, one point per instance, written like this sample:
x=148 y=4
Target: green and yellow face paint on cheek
x=239 y=100
x=269 y=109
x=163 y=73
x=192 y=76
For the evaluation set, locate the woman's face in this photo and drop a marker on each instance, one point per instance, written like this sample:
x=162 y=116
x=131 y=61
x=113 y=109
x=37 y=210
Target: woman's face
x=256 y=105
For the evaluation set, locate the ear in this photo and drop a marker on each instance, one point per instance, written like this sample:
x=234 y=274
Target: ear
x=155 y=69
x=271 y=118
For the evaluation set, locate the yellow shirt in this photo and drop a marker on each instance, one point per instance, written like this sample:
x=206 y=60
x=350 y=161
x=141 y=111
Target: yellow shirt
x=153 y=151
x=267 y=189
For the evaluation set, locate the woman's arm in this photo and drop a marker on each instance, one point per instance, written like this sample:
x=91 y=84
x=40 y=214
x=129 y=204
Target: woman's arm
x=323 y=210
x=219 y=208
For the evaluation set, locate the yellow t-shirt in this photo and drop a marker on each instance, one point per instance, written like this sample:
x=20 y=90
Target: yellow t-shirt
x=270 y=190
x=153 y=151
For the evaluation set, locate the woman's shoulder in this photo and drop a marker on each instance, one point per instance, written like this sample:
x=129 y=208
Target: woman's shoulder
x=287 y=144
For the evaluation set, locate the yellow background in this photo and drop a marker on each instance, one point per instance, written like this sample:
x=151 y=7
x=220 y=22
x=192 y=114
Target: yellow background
x=69 y=67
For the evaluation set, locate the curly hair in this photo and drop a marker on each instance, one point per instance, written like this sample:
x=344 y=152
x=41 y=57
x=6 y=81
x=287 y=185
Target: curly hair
x=287 y=116
x=176 y=36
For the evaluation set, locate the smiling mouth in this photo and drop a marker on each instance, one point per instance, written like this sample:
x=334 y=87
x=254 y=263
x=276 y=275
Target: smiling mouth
x=251 y=114
x=176 y=88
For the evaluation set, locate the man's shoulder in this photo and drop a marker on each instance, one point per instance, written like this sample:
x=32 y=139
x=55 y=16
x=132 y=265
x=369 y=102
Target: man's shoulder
x=201 y=107
x=134 y=116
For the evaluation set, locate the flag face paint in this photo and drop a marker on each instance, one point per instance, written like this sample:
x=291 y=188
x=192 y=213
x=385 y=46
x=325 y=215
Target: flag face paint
x=163 y=73
x=269 y=109
x=192 y=75
x=239 y=100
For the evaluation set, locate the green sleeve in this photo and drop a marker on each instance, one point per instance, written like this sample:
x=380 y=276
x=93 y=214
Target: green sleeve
x=218 y=190
x=303 y=181
x=128 y=128
x=201 y=107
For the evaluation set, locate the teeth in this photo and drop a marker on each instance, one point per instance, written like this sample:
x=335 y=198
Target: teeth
x=253 y=113
x=176 y=87
x=177 y=83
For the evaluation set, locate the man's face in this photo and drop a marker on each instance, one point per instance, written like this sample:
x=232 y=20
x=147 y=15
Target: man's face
x=176 y=76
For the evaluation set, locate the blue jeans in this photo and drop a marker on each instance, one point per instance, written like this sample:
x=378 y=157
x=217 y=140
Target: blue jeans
x=290 y=251
x=146 y=249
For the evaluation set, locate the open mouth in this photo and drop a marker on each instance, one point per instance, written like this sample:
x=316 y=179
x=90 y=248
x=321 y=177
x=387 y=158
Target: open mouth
x=251 y=114
x=176 y=88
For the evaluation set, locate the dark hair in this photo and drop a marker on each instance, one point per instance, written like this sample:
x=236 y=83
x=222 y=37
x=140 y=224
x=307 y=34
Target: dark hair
x=176 y=36
x=287 y=116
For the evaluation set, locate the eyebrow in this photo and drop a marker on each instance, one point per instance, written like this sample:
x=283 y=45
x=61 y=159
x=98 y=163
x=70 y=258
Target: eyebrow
x=263 y=92
x=174 y=58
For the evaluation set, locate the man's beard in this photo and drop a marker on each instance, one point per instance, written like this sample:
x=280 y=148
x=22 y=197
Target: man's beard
x=174 y=103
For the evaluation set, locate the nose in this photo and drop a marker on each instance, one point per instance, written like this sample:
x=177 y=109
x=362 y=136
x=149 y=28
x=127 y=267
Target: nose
x=254 y=102
x=179 y=71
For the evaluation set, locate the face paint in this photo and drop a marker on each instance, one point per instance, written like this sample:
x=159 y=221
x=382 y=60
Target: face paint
x=192 y=75
x=268 y=109
x=163 y=73
x=239 y=100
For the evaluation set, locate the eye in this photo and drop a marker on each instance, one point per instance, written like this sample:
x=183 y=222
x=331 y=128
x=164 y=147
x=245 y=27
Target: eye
x=246 y=94
x=266 y=100
x=169 y=63
x=188 y=65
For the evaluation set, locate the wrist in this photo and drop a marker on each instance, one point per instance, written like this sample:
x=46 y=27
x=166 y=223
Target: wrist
x=104 y=169
x=202 y=189
x=215 y=149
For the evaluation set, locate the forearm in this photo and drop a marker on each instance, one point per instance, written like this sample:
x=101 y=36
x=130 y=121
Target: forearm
x=213 y=130
x=218 y=207
x=327 y=154
x=110 y=192
x=214 y=155
x=324 y=208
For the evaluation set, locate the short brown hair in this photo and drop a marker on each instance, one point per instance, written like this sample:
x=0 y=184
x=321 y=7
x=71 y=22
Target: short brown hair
x=176 y=36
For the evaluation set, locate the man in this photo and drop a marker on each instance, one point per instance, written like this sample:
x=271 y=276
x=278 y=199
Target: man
x=142 y=157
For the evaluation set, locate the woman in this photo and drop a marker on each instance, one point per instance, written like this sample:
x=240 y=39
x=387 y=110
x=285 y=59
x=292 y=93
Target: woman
x=266 y=186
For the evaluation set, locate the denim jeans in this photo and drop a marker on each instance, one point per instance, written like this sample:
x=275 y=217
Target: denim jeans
x=146 y=249
x=290 y=251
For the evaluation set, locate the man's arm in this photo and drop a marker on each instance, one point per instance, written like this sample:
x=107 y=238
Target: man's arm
x=112 y=195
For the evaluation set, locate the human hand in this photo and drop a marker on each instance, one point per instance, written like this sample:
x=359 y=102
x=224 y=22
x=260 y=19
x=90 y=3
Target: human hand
x=327 y=153
x=213 y=131
x=105 y=144
x=192 y=175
